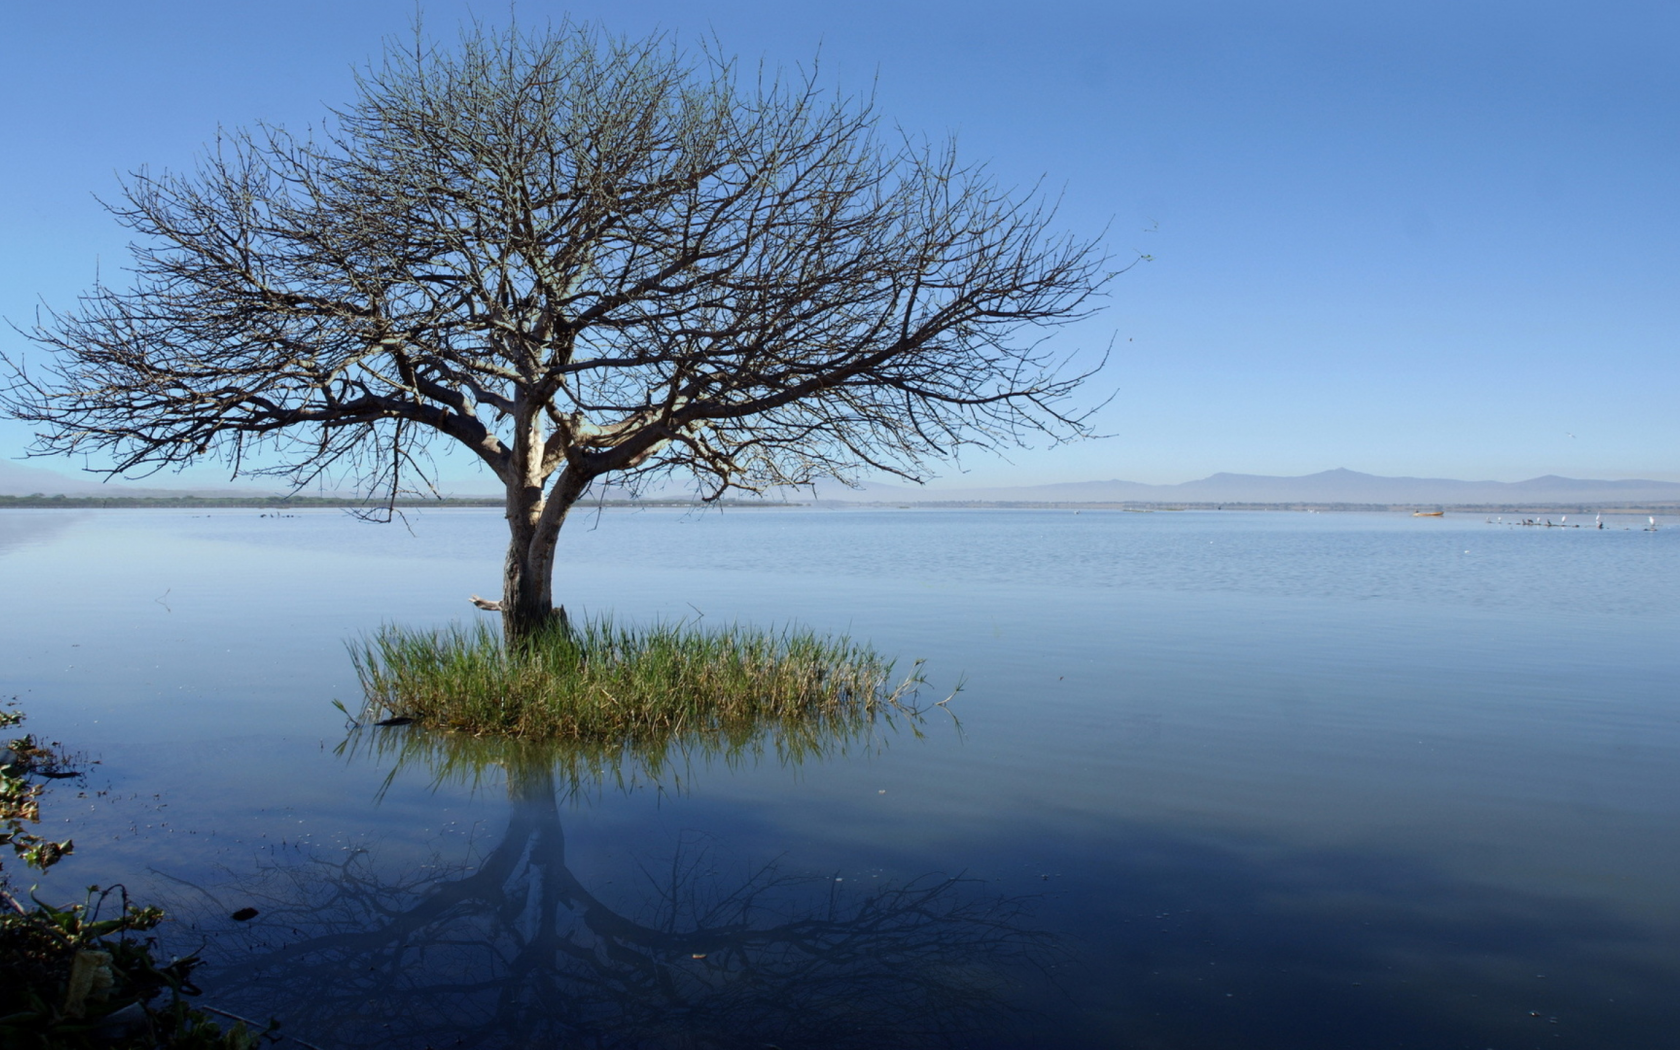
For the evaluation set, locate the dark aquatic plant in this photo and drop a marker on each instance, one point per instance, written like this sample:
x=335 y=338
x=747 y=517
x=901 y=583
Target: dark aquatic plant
x=26 y=765
x=599 y=681
x=74 y=977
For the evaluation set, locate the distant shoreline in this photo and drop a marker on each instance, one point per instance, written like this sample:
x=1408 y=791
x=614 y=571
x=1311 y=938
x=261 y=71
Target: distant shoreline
x=1613 y=507
x=282 y=503
x=327 y=502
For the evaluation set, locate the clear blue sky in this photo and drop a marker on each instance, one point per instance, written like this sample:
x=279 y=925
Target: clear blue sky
x=1406 y=238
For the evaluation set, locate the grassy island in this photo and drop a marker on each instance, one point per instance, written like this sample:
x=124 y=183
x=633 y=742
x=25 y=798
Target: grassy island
x=597 y=680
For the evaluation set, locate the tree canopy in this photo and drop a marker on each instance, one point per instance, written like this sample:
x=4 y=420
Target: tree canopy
x=582 y=257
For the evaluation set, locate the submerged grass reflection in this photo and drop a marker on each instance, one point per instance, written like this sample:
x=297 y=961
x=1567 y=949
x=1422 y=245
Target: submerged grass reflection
x=512 y=947
x=517 y=943
x=667 y=759
x=600 y=681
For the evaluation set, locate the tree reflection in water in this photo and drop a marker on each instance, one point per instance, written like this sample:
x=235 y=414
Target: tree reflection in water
x=515 y=951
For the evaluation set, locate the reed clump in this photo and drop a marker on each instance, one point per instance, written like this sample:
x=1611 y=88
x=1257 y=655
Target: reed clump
x=599 y=681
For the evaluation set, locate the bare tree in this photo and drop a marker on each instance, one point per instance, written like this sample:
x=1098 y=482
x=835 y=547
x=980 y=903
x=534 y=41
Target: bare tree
x=585 y=258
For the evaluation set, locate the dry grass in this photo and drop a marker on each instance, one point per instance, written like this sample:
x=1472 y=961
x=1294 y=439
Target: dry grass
x=603 y=682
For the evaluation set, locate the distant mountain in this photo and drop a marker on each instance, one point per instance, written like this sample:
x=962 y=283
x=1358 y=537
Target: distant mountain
x=1330 y=486
x=19 y=480
x=1325 y=487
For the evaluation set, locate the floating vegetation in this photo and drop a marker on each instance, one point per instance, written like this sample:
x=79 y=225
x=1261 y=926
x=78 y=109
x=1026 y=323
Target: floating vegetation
x=598 y=681
x=80 y=976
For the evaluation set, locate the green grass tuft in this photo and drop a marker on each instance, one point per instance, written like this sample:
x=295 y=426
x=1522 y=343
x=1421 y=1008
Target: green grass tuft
x=603 y=682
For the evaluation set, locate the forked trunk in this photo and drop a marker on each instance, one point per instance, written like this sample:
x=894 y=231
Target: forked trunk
x=528 y=592
x=528 y=572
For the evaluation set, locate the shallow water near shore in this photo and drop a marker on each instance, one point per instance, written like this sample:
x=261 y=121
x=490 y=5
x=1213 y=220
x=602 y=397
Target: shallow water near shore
x=1221 y=780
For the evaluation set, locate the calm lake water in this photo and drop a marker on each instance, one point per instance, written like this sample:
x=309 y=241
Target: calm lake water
x=1221 y=780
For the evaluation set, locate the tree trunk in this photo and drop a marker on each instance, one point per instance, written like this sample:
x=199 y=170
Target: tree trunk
x=528 y=572
x=528 y=592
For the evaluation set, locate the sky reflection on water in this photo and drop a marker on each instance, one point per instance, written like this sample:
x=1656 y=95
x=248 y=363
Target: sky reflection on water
x=1252 y=780
x=504 y=943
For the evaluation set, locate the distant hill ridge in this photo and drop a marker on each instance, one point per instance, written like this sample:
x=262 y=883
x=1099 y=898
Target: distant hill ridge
x=19 y=480
x=1329 y=486
x=1326 y=487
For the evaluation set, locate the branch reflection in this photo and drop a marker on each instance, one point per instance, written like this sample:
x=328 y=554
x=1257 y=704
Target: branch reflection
x=514 y=950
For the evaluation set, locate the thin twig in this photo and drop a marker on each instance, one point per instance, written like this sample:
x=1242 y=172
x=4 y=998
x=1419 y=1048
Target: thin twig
x=255 y=1025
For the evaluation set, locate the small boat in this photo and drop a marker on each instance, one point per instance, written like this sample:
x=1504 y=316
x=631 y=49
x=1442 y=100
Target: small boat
x=1428 y=513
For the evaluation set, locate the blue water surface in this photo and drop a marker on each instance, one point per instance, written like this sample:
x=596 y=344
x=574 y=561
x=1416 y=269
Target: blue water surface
x=1214 y=779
